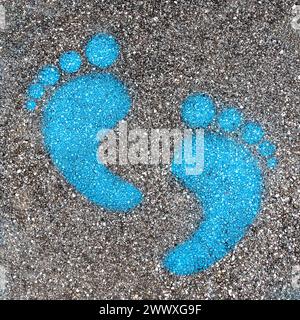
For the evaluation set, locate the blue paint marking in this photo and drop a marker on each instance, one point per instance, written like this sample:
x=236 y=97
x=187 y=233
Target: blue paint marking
x=252 y=133
x=70 y=61
x=73 y=116
x=48 y=75
x=71 y=120
x=229 y=190
x=30 y=105
x=266 y=149
x=230 y=119
x=36 y=91
x=272 y=163
x=102 y=50
x=198 y=111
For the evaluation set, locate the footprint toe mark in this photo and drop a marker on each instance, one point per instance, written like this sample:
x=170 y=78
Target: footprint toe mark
x=198 y=110
x=70 y=61
x=102 y=50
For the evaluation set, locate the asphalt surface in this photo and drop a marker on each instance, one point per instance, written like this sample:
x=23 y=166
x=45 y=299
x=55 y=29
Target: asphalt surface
x=54 y=244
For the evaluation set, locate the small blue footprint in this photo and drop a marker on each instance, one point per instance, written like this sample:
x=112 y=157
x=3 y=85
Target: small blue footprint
x=229 y=188
x=74 y=114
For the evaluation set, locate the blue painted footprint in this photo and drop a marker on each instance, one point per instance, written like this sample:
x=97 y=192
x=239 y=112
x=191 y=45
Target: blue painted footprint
x=229 y=188
x=73 y=116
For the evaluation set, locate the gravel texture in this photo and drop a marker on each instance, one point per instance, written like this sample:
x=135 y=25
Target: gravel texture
x=54 y=244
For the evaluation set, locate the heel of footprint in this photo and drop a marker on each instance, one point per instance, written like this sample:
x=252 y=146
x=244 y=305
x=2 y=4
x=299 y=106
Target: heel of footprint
x=229 y=188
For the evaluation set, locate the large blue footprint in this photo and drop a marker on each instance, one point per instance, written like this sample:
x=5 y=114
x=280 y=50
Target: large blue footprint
x=74 y=114
x=229 y=188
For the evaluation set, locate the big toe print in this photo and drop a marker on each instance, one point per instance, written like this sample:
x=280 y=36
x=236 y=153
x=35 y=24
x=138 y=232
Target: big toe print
x=229 y=188
x=74 y=114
